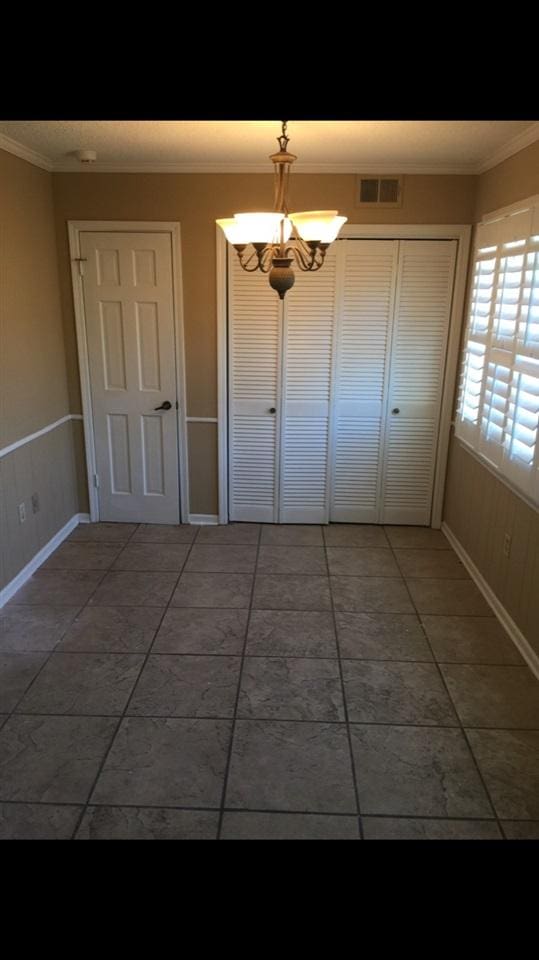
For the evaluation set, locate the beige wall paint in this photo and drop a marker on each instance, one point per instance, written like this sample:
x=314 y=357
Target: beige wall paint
x=514 y=179
x=32 y=356
x=45 y=466
x=196 y=201
x=478 y=508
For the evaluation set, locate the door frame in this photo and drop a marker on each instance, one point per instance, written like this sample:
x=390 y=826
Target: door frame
x=75 y=228
x=359 y=231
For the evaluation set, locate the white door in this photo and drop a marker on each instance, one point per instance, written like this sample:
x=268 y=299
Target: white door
x=129 y=311
x=418 y=354
x=364 y=327
x=308 y=331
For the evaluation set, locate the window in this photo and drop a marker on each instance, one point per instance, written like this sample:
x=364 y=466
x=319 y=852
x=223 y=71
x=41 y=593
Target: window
x=498 y=408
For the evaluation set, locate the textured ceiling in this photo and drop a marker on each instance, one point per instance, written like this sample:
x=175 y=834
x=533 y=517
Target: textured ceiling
x=400 y=146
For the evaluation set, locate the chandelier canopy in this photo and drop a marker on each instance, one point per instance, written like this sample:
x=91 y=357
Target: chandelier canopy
x=281 y=238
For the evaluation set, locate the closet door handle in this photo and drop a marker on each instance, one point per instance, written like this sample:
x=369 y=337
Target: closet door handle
x=395 y=410
x=272 y=410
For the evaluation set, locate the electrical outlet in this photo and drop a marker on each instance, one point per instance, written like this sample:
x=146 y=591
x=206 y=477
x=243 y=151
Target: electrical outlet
x=35 y=503
x=22 y=512
x=507 y=545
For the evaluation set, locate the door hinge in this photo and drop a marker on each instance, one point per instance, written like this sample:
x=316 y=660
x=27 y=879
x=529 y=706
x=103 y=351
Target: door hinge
x=80 y=261
x=96 y=480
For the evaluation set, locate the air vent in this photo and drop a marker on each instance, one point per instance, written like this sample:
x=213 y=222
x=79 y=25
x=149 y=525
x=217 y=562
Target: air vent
x=379 y=191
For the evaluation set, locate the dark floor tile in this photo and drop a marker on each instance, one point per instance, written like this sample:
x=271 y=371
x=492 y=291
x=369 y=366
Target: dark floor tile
x=448 y=598
x=378 y=692
x=71 y=588
x=95 y=684
x=237 y=533
x=215 y=558
x=281 y=592
x=202 y=631
x=470 y=640
x=83 y=556
x=3 y=718
x=292 y=559
x=381 y=636
x=229 y=590
x=352 y=535
x=165 y=533
x=152 y=557
x=521 y=829
x=52 y=759
x=417 y=537
x=509 y=763
x=135 y=589
x=37 y=821
x=291 y=766
x=277 y=688
x=147 y=823
x=362 y=562
x=296 y=534
x=389 y=828
x=370 y=595
x=294 y=633
x=186 y=686
x=34 y=628
x=442 y=564
x=165 y=762
x=112 y=630
x=17 y=670
x=287 y=826
x=417 y=772
x=105 y=532
x=500 y=696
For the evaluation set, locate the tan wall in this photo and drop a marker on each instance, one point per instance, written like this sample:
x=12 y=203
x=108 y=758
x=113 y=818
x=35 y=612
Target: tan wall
x=32 y=356
x=196 y=201
x=32 y=370
x=478 y=508
x=514 y=179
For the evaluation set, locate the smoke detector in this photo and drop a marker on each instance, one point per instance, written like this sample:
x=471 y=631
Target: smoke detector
x=86 y=156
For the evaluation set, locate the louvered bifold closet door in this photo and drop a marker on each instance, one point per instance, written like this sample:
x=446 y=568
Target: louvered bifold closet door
x=367 y=276
x=422 y=312
x=254 y=364
x=309 y=321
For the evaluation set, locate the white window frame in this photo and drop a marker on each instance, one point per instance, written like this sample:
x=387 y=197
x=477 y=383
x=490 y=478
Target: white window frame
x=503 y=233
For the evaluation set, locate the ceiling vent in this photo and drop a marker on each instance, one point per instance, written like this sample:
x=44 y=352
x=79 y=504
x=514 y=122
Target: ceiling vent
x=377 y=191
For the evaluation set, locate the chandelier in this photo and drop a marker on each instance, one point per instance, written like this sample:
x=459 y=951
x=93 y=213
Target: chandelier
x=271 y=242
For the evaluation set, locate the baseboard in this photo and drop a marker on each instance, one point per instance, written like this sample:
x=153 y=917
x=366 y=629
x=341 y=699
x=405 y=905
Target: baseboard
x=523 y=646
x=204 y=518
x=45 y=552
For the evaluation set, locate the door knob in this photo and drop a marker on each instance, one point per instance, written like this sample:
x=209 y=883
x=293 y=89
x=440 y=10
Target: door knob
x=395 y=410
x=272 y=410
x=166 y=405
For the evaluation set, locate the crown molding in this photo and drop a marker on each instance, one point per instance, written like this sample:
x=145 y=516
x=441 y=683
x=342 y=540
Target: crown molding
x=515 y=145
x=25 y=153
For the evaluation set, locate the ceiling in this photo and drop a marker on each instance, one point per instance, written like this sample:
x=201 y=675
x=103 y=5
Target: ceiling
x=244 y=146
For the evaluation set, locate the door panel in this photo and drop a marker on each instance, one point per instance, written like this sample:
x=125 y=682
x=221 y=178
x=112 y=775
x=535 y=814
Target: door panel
x=129 y=312
x=422 y=312
x=364 y=339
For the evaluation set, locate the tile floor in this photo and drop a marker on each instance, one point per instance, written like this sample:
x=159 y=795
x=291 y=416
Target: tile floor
x=261 y=682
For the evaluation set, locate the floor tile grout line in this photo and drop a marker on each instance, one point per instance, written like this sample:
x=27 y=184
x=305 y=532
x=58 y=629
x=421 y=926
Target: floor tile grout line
x=457 y=714
x=238 y=691
x=345 y=704
x=128 y=701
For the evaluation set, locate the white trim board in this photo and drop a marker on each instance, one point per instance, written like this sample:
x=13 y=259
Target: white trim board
x=204 y=519
x=39 y=433
x=23 y=575
x=360 y=231
x=75 y=228
x=523 y=646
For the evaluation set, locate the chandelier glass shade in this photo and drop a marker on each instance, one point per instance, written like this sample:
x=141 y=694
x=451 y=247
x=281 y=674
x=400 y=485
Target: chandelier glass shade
x=272 y=242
